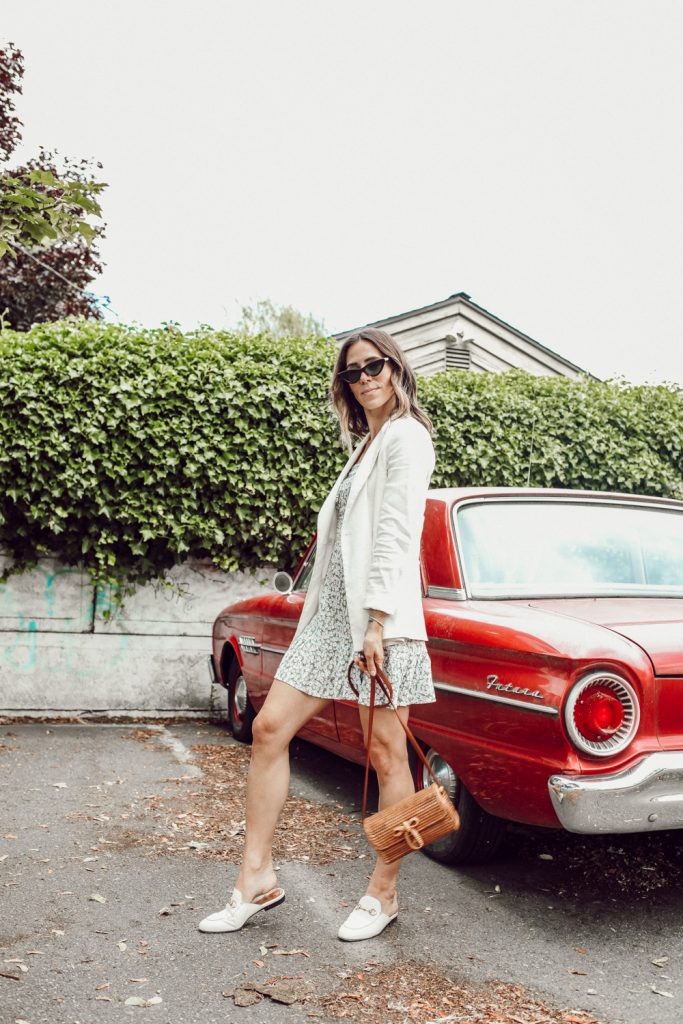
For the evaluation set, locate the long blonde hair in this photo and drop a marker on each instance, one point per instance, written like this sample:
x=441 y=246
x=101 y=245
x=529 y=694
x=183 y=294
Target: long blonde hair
x=352 y=420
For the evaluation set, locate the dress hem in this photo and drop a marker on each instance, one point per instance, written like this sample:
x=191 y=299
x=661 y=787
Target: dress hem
x=352 y=700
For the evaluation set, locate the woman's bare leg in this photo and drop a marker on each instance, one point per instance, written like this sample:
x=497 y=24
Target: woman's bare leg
x=284 y=712
x=389 y=758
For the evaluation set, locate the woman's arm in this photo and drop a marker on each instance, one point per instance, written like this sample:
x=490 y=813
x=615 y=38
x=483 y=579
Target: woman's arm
x=409 y=462
x=372 y=643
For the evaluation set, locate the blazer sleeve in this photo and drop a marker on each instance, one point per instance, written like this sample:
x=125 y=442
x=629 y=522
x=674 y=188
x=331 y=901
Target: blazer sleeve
x=409 y=466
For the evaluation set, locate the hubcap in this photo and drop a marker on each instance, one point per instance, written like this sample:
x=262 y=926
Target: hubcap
x=445 y=775
x=241 y=696
x=447 y=778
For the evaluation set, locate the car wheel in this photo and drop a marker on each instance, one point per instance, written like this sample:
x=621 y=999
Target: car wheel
x=480 y=834
x=240 y=712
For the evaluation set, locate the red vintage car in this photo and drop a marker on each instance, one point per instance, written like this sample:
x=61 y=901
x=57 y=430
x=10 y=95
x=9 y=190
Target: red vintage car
x=555 y=624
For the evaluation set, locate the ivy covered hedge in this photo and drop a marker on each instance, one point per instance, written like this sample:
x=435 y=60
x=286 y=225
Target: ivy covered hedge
x=584 y=434
x=128 y=449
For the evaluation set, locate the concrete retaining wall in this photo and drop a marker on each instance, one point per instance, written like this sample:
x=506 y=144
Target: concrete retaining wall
x=58 y=653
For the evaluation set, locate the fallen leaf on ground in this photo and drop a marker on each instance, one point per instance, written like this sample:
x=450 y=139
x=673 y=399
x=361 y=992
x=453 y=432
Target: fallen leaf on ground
x=285 y=990
x=20 y=964
x=290 y=952
x=244 y=997
x=139 y=1001
x=96 y=898
x=208 y=814
x=415 y=992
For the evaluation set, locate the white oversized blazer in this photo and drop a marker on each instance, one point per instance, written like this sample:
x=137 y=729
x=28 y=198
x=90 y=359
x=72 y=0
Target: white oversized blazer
x=380 y=533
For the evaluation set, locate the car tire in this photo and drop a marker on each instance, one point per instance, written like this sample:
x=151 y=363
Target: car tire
x=480 y=835
x=241 y=714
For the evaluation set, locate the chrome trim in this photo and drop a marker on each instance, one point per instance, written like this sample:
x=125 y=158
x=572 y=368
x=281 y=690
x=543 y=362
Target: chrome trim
x=302 y=571
x=248 y=644
x=273 y=650
x=646 y=797
x=447 y=593
x=501 y=499
x=520 y=705
x=492 y=683
x=211 y=665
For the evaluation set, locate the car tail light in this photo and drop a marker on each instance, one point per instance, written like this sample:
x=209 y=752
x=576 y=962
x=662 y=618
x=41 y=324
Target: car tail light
x=601 y=714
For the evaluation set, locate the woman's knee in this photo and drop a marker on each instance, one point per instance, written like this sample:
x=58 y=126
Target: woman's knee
x=268 y=731
x=388 y=758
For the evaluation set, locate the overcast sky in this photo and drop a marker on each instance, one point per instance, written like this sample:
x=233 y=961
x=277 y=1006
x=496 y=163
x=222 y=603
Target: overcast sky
x=360 y=159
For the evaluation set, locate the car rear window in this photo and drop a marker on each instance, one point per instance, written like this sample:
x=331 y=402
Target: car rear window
x=521 y=548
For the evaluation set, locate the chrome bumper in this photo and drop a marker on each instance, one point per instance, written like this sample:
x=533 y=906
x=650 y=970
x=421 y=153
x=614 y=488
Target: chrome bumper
x=211 y=665
x=646 y=797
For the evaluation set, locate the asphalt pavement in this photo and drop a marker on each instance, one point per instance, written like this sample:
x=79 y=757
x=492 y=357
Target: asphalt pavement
x=90 y=919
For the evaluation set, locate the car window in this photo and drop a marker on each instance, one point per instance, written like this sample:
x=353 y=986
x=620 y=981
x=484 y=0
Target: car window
x=544 y=548
x=303 y=578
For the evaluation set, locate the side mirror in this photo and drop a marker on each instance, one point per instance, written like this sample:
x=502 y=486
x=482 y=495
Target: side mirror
x=283 y=582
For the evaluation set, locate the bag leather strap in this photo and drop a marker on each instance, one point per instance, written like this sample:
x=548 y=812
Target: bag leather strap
x=382 y=680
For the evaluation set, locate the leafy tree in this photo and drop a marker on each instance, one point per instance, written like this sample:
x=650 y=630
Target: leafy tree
x=11 y=73
x=47 y=251
x=264 y=317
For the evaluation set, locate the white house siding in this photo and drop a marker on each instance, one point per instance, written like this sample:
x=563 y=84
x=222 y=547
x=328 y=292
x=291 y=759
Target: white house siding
x=458 y=332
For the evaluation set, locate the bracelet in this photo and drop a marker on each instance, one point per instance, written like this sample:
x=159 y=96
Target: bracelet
x=371 y=618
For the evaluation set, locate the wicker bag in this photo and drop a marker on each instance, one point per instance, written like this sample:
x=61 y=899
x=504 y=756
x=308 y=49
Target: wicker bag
x=417 y=820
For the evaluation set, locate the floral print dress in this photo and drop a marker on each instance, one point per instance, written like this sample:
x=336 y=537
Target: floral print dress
x=317 y=660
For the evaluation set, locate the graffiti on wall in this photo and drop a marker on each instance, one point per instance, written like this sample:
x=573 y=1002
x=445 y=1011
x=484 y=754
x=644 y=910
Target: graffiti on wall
x=30 y=641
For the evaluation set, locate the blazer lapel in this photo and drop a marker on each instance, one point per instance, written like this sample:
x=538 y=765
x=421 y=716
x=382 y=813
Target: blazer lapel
x=327 y=510
x=365 y=468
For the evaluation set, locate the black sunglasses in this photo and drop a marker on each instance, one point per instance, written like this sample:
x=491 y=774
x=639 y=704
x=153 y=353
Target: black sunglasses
x=373 y=369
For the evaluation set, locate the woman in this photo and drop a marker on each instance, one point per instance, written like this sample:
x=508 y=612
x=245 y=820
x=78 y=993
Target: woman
x=364 y=606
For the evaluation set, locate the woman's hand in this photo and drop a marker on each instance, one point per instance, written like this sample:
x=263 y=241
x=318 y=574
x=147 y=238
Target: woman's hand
x=373 y=651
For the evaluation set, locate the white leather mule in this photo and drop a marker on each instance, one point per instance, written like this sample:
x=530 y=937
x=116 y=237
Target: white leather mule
x=236 y=914
x=365 y=921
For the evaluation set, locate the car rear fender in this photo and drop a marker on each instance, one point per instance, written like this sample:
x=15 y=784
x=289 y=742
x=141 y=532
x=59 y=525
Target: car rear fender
x=230 y=656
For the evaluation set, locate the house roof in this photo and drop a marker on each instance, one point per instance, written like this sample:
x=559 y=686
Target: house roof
x=464 y=299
